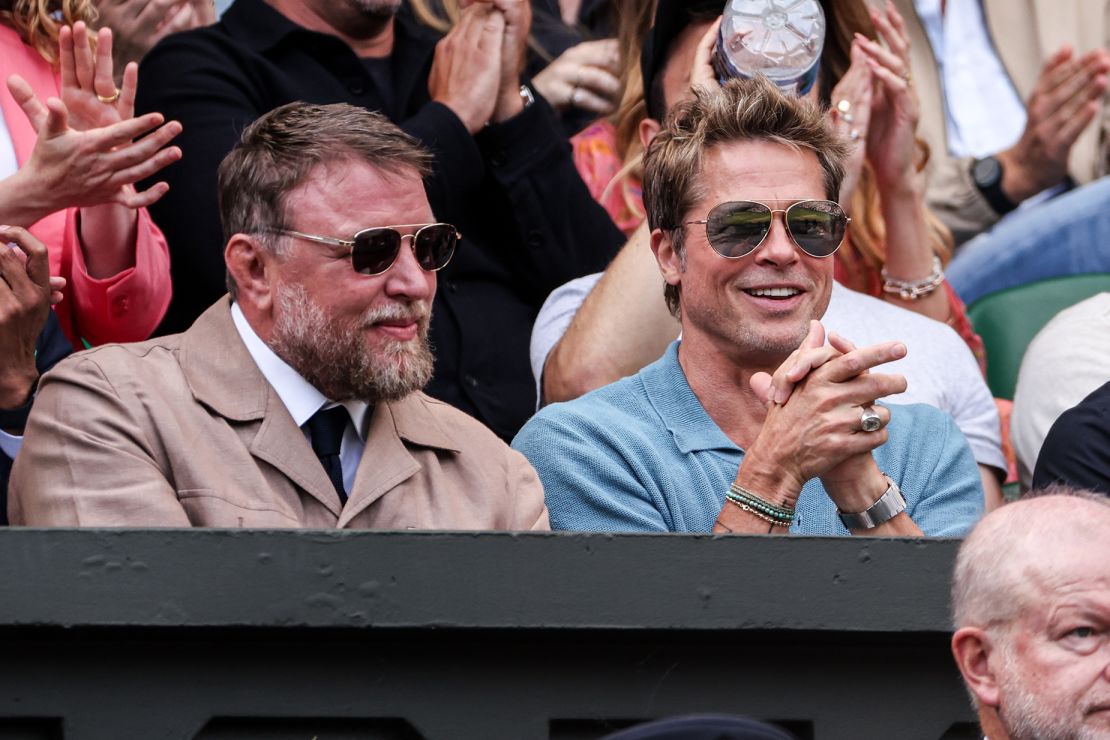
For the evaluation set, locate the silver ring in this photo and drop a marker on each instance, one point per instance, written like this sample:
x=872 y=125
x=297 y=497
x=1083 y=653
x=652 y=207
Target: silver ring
x=869 y=421
x=847 y=118
x=854 y=134
x=576 y=96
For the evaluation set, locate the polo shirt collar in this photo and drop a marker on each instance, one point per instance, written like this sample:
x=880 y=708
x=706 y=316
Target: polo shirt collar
x=679 y=409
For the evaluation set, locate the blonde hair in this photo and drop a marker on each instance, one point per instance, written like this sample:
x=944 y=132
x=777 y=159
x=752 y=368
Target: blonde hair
x=37 y=22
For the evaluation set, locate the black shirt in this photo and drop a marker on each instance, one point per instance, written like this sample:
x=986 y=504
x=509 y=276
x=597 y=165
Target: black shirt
x=528 y=221
x=1076 y=451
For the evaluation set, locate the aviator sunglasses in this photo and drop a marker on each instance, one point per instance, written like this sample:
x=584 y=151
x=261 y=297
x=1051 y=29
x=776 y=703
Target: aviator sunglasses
x=373 y=251
x=737 y=228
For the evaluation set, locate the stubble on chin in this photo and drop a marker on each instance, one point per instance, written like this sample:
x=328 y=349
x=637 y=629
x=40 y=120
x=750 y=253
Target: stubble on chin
x=334 y=357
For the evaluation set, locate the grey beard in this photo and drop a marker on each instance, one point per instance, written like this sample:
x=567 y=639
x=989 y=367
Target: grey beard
x=335 y=359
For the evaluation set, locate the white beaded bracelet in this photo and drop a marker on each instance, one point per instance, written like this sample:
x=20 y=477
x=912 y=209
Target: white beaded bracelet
x=911 y=290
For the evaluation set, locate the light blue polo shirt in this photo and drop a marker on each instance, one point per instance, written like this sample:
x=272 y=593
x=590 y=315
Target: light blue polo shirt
x=642 y=455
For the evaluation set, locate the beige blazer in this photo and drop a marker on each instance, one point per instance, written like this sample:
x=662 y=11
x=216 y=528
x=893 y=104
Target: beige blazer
x=1025 y=34
x=184 y=431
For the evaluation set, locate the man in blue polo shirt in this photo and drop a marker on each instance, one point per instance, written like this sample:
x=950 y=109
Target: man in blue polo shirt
x=751 y=423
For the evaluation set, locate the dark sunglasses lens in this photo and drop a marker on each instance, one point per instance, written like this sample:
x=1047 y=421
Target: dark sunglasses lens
x=435 y=245
x=735 y=229
x=817 y=226
x=375 y=250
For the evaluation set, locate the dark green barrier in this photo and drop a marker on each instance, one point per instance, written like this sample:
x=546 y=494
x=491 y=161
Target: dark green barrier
x=183 y=634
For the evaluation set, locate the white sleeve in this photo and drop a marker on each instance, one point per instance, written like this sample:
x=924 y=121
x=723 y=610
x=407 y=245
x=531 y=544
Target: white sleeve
x=552 y=322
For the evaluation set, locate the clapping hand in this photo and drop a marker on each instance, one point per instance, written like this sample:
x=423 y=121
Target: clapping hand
x=88 y=152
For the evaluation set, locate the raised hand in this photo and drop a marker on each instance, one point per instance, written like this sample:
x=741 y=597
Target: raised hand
x=140 y=24
x=851 y=117
x=584 y=76
x=72 y=168
x=1064 y=101
x=895 y=109
x=466 y=69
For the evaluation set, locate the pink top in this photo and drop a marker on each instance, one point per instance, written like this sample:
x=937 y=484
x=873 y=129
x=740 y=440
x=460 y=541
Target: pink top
x=123 y=308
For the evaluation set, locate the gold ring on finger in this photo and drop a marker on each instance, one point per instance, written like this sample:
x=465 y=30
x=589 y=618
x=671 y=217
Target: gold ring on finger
x=108 y=99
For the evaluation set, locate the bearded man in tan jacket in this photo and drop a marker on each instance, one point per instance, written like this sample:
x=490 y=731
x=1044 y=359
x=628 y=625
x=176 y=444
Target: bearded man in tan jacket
x=295 y=401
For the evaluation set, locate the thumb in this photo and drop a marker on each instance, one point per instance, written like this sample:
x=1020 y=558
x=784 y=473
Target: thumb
x=761 y=385
x=57 y=119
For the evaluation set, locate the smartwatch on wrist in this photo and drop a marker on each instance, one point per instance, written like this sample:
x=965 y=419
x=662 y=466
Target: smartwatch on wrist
x=890 y=504
x=986 y=173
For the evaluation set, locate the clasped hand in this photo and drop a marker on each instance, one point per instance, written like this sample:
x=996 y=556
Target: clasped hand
x=477 y=66
x=814 y=402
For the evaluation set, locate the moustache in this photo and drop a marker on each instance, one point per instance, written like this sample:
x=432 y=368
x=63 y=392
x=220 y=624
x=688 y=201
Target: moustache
x=419 y=312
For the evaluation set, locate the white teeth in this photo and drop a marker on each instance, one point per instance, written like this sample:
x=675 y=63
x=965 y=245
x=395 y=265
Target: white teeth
x=774 y=292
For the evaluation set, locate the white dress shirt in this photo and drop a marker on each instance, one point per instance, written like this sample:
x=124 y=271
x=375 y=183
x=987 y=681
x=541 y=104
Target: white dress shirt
x=302 y=399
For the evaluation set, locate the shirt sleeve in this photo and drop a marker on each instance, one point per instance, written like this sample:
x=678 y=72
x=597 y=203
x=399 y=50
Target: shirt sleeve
x=552 y=322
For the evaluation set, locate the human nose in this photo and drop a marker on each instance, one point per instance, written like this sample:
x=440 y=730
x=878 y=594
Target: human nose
x=777 y=247
x=406 y=278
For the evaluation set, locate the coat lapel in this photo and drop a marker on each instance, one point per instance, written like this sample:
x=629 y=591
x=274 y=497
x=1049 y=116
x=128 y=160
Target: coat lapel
x=386 y=460
x=224 y=377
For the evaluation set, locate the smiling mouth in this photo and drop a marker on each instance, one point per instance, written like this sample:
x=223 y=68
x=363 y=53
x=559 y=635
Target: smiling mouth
x=772 y=292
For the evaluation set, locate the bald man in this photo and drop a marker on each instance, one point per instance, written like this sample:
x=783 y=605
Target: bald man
x=1031 y=596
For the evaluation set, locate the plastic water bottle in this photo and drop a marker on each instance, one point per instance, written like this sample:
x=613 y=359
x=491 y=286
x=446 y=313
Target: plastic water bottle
x=780 y=39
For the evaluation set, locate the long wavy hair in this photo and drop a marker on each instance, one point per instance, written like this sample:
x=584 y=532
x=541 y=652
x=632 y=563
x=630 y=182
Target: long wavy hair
x=37 y=21
x=845 y=18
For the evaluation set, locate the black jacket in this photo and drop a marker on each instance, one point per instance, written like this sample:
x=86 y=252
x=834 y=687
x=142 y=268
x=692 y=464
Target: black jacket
x=528 y=222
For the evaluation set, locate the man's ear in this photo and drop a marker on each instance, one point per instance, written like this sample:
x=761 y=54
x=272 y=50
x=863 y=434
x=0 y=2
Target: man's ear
x=972 y=648
x=649 y=127
x=670 y=263
x=251 y=266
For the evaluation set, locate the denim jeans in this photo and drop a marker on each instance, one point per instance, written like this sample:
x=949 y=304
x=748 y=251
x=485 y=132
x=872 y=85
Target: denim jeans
x=1067 y=235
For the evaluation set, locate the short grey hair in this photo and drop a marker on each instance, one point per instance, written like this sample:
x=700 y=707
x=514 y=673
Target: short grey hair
x=278 y=151
x=987 y=585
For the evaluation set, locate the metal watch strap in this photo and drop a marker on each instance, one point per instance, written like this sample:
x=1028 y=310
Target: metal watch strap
x=890 y=504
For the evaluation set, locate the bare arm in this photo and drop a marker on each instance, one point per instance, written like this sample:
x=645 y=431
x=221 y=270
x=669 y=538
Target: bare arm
x=622 y=326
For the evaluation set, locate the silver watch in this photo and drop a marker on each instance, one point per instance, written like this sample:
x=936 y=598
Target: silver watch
x=890 y=504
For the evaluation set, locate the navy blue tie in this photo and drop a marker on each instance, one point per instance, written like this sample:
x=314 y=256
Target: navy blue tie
x=325 y=430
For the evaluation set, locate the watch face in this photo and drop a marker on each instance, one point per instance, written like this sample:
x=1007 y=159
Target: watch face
x=986 y=172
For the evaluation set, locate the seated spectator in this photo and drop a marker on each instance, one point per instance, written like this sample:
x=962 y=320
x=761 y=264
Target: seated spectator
x=296 y=402
x=528 y=222
x=622 y=325
x=68 y=160
x=1014 y=113
x=31 y=342
x=706 y=437
x=1067 y=361
x=1031 y=597
x=894 y=237
x=1076 y=451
